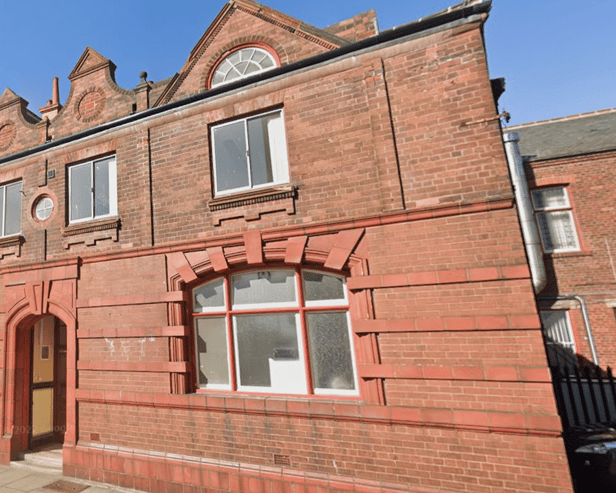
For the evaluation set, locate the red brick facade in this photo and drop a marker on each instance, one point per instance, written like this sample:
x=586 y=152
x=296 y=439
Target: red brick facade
x=584 y=167
x=397 y=183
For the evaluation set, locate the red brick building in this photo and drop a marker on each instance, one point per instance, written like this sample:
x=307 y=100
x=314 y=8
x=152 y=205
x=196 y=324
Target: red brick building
x=569 y=163
x=294 y=266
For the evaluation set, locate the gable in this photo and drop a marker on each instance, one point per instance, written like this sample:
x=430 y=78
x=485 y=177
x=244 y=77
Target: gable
x=246 y=23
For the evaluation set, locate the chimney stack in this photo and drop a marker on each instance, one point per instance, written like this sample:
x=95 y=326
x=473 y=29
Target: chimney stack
x=53 y=107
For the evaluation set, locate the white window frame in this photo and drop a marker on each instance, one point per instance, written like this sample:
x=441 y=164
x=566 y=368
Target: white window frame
x=278 y=155
x=113 y=190
x=298 y=370
x=557 y=329
x=545 y=215
x=4 y=189
x=229 y=68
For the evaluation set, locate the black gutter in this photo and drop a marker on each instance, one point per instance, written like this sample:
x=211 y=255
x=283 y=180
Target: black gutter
x=414 y=27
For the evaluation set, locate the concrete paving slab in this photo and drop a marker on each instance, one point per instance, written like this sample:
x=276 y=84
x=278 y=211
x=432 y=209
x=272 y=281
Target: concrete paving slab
x=9 y=475
x=23 y=480
x=32 y=482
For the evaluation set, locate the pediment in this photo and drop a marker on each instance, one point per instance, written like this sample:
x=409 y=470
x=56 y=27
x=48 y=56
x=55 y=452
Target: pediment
x=90 y=61
x=264 y=22
x=9 y=98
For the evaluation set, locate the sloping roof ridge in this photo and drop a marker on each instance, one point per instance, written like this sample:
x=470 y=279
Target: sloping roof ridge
x=283 y=20
x=561 y=119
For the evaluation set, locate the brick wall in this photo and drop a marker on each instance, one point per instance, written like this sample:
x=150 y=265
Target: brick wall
x=589 y=272
x=398 y=182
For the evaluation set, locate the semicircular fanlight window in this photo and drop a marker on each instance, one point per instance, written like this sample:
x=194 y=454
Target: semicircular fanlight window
x=241 y=64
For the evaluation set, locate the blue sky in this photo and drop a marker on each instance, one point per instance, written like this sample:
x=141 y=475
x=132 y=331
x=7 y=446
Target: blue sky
x=556 y=55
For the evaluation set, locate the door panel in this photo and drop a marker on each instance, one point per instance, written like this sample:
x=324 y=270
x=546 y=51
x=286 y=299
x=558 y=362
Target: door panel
x=48 y=381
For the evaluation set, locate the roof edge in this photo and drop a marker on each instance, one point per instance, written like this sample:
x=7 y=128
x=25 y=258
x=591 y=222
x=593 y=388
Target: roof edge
x=466 y=13
x=560 y=119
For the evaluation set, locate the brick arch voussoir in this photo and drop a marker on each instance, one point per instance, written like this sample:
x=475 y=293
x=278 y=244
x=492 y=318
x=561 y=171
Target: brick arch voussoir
x=22 y=313
x=253 y=39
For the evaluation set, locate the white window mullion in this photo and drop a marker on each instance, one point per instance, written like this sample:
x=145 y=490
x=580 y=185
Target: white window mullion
x=3 y=209
x=92 y=185
x=248 y=162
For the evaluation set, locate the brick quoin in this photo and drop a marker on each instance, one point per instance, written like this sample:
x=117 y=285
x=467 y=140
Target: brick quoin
x=393 y=186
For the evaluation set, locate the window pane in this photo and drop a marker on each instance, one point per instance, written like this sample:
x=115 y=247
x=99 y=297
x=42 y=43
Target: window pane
x=2 y=219
x=330 y=351
x=319 y=287
x=212 y=351
x=559 y=340
x=550 y=198
x=101 y=188
x=270 y=286
x=13 y=209
x=230 y=157
x=260 y=151
x=268 y=353
x=211 y=295
x=557 y=231
x=81 y=192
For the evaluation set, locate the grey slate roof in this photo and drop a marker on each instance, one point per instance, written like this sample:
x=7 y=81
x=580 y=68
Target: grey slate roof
x=569 y=136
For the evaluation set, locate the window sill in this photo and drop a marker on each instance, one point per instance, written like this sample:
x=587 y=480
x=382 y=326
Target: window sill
x=578 y=253
x=90 y=232
x=250 y=205
x=292 y=404
x=11 y=245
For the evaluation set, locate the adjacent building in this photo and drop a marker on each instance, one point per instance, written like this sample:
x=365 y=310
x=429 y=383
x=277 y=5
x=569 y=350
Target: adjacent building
x=294 y=266
x=569 y=164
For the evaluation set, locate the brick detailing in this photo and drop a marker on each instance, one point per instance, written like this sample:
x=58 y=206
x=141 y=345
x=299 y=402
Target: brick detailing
x=251 y=209
x=284 y=22
x=91 y=232
x=217 y=258
x=7 y=135
x=294 y=251
x=346 y=241
x=182 y=266
x=451 y=373
x=447 y=324
x=133 y=332
x=158 y=367
x=11 y=246
x=439 y=277
x=254 y=247
x=129 y=300
x=90 y=104
x=488 y=421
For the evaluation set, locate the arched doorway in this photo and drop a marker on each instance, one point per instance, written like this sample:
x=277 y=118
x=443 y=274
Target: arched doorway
x=40 y=378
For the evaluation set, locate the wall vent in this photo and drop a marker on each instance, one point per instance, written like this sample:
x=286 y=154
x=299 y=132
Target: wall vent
x=95 y=437
x=282 y=460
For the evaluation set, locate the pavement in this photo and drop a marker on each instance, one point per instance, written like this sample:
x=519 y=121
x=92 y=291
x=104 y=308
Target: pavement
x=20 y=478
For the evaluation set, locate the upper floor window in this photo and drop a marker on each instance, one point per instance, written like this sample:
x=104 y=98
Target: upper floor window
x=555 y=220
x=275 y=331
x=241 y=64
x=93 y=190
x=10 y=209
x=250 y=153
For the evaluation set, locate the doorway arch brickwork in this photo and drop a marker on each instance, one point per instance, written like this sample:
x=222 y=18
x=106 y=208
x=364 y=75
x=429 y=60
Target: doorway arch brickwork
x=29 y=296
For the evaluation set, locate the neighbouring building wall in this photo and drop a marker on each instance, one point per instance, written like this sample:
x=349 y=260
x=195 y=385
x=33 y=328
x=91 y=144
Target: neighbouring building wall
x=574 y=157
x=397 y=191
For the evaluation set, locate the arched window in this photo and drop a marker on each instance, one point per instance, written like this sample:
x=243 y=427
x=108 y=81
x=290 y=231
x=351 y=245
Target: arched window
x=278 y=331
x=241 y=64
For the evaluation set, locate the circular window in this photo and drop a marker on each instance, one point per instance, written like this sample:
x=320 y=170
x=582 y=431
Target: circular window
x=43 y=208
x=241 y=64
